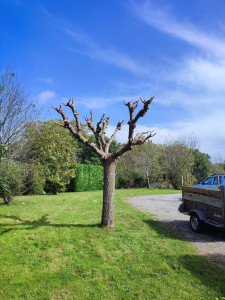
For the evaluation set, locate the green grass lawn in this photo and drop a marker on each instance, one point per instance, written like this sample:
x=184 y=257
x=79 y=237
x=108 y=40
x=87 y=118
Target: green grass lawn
x=51 y=247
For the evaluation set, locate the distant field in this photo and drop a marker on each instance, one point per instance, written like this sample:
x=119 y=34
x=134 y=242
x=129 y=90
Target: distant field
x=51 y=247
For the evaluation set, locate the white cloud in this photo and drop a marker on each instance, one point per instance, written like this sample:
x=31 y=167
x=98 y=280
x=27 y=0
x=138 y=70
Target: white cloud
x=196 y=79
x=108 y=55
x=163 y=21
x=208 y=130
x=45 y=97
x=48 y=80
x=203 y=73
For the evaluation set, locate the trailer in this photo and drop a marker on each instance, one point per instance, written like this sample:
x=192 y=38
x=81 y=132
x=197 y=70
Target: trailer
x=204 y=206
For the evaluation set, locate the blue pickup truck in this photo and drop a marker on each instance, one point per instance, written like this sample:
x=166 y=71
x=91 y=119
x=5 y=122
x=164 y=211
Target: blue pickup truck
x=205 y=203
x=211 y=182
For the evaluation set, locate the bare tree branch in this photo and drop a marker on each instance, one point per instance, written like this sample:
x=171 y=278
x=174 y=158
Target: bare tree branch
x=132 y=125
x=99 y=138
x=15 y=108
x=143 y=111
x=78 y=134
x=99 y=131
x=139 y=140
x=99 y=128
x=131 y=106
x=118 y=127
x=75 y=113
x=102 y=148
x=133 y=120
x=105 y=123
x=89 y=122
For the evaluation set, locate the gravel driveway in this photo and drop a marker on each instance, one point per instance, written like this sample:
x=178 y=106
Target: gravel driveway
x=165 y=208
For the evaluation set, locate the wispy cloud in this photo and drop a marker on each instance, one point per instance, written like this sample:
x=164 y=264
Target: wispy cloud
x=207 y=130
x=163 y=21
x=207 y=74
x=201 y=74
x=45 y=97
x=195 y=83
x=108 y=55
x=48 y=80
x=190 y=88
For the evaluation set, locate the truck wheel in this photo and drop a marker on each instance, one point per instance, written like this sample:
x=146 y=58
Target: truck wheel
x=196 y=224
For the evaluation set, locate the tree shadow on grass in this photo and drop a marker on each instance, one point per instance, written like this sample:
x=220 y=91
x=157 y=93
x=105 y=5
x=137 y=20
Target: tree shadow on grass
x=184 y=233
x=209 y=274
x=201 y=267
x=180 y=229
x=41 y=222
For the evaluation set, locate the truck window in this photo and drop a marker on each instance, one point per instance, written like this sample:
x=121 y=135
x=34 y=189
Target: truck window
x=208 y=180
x=216 y=180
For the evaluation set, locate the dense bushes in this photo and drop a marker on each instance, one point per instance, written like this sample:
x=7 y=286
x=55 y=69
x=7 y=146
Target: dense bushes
x=10 y=180
x=52 y=151
x=33 y=179
x=18 y=178
x=88 y=178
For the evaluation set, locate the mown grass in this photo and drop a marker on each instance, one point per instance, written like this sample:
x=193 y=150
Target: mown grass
x=51 y=247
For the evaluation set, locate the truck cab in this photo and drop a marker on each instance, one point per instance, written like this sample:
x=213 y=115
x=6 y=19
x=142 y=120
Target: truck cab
x=212 y=182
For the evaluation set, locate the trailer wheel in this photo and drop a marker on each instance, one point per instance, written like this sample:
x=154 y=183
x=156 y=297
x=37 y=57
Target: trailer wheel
x=196 y=224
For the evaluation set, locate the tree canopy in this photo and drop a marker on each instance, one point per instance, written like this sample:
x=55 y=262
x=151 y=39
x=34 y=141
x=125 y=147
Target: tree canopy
x=15 y=108
x=54 y=151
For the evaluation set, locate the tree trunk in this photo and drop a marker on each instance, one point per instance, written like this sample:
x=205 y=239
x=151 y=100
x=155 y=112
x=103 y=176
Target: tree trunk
x=6 y=200
x=148 y=183
x=148 y=180
x=108 y=193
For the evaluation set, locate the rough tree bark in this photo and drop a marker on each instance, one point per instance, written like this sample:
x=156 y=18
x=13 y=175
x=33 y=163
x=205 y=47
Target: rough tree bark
x=148 y=180
x=102 y=147
x=108 y=193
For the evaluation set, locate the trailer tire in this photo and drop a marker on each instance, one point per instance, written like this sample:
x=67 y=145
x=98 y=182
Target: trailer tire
x=196 y=224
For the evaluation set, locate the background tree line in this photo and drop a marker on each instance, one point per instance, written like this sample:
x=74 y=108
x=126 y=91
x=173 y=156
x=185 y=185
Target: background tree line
x=45 y=158
x=41 y=157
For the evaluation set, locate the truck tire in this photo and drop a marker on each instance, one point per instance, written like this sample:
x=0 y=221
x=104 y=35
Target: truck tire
x=196 y=224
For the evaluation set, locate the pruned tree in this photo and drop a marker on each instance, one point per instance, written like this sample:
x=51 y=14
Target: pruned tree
x=101 y=147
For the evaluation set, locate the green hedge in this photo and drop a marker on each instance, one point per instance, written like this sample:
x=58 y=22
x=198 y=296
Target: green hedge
x=89 y=178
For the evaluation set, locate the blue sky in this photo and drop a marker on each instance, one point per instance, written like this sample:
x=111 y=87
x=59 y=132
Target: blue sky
x=102 y=52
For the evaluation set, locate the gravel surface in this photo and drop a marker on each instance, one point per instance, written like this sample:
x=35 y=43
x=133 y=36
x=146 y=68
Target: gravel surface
x=211 y=243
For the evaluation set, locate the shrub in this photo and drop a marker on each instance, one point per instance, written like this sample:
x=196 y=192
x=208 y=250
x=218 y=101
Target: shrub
x=164 y=185
x=33 y=180
x=10 y=180
x=89 y=178
x=52 y=151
